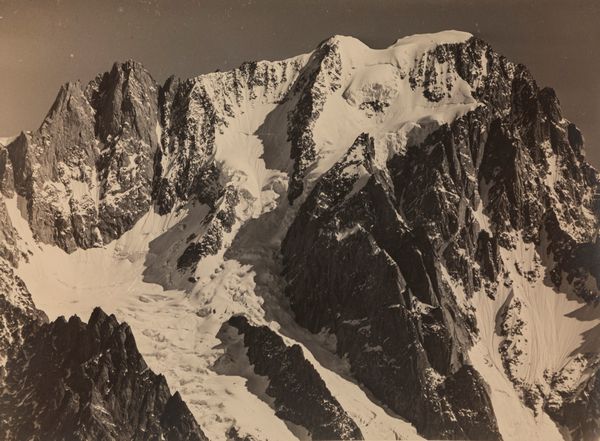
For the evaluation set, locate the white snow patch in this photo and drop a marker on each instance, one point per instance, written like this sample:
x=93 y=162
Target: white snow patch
x=436 y=38
x=516 y=422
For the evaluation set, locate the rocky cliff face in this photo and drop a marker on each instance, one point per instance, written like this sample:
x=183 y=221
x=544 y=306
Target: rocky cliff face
x=70 y=380
x=420 y=219
x=402 y=227
x=86 y=173
x=394 y=290
x=300 y=394
x=17 y=310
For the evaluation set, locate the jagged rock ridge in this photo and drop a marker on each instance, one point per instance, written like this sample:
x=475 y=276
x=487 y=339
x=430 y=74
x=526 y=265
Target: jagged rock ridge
x=70 y=380
x=300 y=394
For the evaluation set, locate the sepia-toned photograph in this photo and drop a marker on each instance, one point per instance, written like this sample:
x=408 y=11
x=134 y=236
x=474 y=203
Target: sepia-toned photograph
x=273 y=220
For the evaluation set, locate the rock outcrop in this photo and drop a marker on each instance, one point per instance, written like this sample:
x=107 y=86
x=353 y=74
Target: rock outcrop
x=74 y=381
x=394 y=290
x=87 y=172
x=300 y=395
x=368 y=253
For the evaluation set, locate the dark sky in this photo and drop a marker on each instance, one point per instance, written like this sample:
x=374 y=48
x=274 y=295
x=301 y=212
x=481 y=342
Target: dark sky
x=44 y=43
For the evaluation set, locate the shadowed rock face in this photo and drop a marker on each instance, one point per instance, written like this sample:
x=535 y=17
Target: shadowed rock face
x=300 y=394
x=401 y=330
x=322 y=78
x=18 y=315
x=368 y=264
x=581 y=411
x=75 y=381
x=87 y=172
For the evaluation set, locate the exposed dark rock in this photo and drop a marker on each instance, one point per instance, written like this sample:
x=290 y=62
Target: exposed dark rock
x=300 y=394
x=392 y=289
x=234 y=435
x=420 y=214
x=209 y=244
x=8 y=244
x=581 y=411
x=7 y=186
x=72 y=381
x=127 y=124
x=190 y=121
x=18 y=315
x=321 y=77
x=472 y=410
x=86 y=173
x=218 y=222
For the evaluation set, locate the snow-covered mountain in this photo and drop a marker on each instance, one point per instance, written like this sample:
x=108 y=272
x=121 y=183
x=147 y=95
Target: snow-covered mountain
x=352 y=243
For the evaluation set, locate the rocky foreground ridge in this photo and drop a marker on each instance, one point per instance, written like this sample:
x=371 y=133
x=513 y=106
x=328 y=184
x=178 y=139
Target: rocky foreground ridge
x=426 y=206
x=68 y=380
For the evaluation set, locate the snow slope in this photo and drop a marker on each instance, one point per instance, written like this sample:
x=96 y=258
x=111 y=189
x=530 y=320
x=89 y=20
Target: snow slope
x=176 y=331
x=376 y=96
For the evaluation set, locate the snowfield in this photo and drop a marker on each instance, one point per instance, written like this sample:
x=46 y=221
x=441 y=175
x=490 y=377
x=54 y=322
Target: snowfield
x=177 y=330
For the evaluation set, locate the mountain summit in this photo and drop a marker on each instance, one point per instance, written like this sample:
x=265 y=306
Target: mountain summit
x=355 y=243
